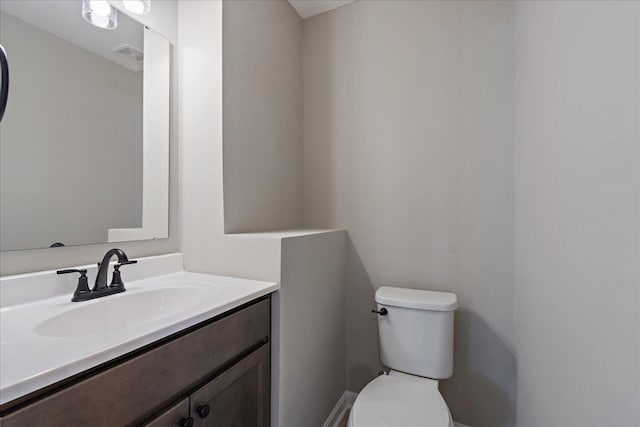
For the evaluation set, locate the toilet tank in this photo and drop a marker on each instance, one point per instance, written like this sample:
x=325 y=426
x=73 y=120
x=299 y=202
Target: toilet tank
x=416 y=334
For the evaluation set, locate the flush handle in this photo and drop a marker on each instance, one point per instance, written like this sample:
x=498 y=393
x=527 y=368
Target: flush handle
x=382 y=312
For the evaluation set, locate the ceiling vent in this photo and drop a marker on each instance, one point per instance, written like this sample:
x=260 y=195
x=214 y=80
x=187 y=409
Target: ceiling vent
x=130 y=52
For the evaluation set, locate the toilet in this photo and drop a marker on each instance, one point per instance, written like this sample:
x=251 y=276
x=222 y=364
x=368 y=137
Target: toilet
x=415 y=329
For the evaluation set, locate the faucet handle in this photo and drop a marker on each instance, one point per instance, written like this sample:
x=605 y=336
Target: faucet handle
x=116 y=281
x=82 y=271
x=120 y=264
x=83 y=282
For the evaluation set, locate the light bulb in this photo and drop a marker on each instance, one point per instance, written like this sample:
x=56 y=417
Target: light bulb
x=100 y=21
x=139 y=7
x=100 y=13
x=100 y=7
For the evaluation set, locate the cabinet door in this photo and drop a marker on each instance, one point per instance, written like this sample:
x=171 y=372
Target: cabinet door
x=239 y=397
x=175 y=416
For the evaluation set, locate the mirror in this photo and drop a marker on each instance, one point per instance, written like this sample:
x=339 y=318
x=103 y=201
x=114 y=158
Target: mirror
x=84 y=141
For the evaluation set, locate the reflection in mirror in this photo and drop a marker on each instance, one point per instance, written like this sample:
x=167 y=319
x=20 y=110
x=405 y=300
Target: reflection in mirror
x=84 y=142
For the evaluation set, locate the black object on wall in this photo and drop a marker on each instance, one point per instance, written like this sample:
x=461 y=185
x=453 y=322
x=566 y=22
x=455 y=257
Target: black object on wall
x=4 y=90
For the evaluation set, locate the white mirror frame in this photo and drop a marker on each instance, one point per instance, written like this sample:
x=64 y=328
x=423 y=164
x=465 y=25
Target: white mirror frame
x=155 y=143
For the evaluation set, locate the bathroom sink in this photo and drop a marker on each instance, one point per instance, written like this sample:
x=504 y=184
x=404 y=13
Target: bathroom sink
x=121 y=311
x=47 y=340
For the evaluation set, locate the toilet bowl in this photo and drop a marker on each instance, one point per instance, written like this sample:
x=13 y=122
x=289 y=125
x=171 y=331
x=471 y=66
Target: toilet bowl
x=416 y=341
x=400 y=400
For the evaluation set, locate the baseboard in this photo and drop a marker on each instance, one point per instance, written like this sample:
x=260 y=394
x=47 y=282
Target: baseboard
x=344 y=404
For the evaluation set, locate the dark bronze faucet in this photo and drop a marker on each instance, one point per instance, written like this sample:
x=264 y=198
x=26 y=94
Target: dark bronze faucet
x=100 y=288
x=103 y=267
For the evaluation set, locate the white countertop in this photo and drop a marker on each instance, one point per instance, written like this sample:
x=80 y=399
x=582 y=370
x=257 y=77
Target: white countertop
x=43 y=342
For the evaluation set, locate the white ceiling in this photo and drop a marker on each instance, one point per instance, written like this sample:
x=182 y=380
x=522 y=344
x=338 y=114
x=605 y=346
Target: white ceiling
x=307 y=8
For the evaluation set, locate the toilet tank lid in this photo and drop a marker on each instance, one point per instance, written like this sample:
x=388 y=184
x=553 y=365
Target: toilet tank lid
x=416 y=298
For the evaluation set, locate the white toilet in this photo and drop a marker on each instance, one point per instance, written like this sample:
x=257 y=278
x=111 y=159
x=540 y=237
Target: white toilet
x=416 y=342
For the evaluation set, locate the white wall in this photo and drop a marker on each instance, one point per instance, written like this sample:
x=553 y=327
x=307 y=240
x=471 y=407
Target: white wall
x=308 y=348
x=408 y=136
x=205 y=246
x=310 y=364
x=262 y=97
x=163 y=18
x=48 y=169
x=577 y=214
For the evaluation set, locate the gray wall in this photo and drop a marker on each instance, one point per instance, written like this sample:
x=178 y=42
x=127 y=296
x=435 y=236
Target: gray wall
x=413 y=111
x=163 y=18
x=408 y=136
x=74 y=118
x=577 y=222
x=262 y=101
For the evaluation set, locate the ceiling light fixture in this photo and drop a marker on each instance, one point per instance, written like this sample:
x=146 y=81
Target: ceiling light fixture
x=140 y=7
x=100 y=13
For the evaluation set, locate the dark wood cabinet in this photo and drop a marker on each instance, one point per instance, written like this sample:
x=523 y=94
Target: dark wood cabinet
x=224 y=362
x=238 y=397
x=173 y=417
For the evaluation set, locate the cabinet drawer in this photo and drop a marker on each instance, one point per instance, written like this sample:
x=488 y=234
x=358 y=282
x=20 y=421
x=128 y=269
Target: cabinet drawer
x=135 y=389
x=239 y=397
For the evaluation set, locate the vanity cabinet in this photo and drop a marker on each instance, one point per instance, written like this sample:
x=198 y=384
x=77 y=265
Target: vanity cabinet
x=237 y=397
x=223 y=363
x=176 y=415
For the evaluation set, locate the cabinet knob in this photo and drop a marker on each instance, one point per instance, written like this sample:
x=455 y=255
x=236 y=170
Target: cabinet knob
x=203 y=411
x=186 y=422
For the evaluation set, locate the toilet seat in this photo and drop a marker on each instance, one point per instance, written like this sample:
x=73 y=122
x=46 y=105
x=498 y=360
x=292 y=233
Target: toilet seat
x=400 y=400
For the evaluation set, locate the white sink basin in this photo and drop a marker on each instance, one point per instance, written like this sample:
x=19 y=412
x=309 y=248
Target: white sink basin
x=125 y=310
